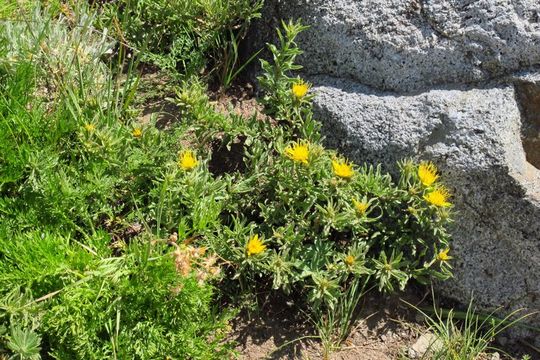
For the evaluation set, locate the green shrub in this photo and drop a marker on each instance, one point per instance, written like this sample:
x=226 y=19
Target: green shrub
x=301 y=218
x=67 y=50
x=115 y=307
x=69 y=153
x=187 y=35
x=310 y=222
x=126 y=310
x=80 y=181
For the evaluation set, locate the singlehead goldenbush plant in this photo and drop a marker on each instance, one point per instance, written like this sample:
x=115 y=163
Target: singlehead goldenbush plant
x=307 y=221
x=312 y=223
x=288 y=98
x=322 y=228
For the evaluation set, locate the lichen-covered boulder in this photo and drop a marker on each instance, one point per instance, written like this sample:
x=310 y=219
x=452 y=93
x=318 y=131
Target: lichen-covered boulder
x=410 y=45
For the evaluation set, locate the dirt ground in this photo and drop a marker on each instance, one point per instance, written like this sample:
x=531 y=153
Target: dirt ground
x=384 y=330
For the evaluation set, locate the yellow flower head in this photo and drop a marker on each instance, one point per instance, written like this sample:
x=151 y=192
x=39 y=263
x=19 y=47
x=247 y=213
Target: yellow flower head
x=427 y=172
x=443 y=255
x=137 y=132
x=255 y=246
x=361 y=206
x=298 y=152
x=90 y=127
x=342 y=168
x=349 y=260
x=438 y=197
x=187 y=160
x=300 y=89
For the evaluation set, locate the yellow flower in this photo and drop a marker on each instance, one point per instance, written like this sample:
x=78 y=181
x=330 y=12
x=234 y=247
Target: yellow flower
x=342 y=168
x=255 y=246
x=349 y=260
x=90 y=127
x=187 y=160
x=443 y=255
x=137 y=132
x=361 y=206
x=427 y=172
x=298 y=152
x=300 y=89
x=438 y=197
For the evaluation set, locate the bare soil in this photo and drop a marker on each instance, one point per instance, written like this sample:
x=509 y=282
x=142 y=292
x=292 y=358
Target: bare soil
x=239 y=100
x=384 y=330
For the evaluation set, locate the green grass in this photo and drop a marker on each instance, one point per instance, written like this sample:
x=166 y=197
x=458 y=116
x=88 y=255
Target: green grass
x=74 y=179
x=464 y=335
x=185 y=37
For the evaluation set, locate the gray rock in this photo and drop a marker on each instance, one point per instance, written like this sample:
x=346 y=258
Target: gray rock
x=425 y=345
x=411 y=45
x=474 y=136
